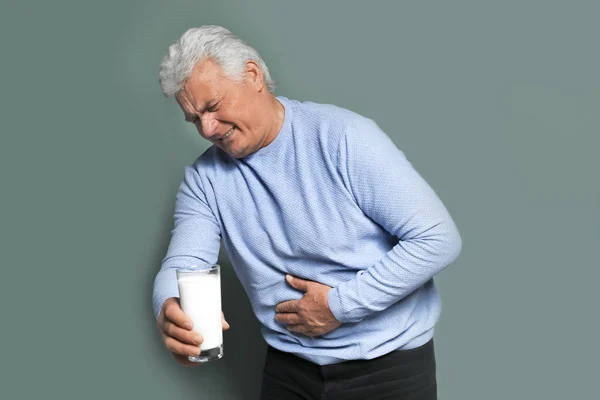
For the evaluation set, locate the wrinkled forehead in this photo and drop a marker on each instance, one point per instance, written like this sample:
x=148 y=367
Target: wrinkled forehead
x=204 y=84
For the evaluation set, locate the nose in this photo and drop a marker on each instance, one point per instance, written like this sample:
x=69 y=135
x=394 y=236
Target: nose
x=209 y=125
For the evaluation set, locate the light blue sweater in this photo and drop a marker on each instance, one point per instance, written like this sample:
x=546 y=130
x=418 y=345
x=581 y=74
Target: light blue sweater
x=331 y=200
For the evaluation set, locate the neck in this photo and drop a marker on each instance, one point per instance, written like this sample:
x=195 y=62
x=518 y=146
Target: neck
x=276 y=114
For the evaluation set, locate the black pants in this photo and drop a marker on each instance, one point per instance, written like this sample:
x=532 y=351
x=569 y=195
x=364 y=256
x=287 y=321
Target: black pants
x=404 y=374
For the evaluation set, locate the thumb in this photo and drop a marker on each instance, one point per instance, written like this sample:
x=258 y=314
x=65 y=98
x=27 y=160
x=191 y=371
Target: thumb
x=297 y=283
x=224 y=323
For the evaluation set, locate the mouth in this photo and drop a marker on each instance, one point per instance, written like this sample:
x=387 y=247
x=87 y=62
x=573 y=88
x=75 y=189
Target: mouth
x=228 y=134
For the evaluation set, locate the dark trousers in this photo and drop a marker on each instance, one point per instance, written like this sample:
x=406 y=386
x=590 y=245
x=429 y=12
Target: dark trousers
x=403 y=374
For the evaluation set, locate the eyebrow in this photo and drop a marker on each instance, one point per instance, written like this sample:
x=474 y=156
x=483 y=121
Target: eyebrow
x=208 y=104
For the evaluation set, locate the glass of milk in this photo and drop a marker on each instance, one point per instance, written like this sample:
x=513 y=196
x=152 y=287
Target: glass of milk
x=200 y=299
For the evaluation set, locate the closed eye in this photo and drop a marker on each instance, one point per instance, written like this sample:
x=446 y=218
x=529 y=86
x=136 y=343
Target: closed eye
x=212 y=109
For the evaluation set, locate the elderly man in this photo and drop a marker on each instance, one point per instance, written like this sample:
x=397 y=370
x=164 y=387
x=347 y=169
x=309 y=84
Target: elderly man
x=333 y=234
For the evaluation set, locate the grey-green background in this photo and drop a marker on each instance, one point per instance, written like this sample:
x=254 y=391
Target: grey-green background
x=497 y=105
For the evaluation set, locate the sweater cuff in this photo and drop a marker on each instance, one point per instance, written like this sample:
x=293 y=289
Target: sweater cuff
x=335 y=307
x=165 y=287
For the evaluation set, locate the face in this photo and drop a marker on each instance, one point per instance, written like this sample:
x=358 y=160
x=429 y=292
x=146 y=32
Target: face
x=229 y=114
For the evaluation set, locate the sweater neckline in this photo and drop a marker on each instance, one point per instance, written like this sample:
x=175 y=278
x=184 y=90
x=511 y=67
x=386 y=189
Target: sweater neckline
x=279 y=138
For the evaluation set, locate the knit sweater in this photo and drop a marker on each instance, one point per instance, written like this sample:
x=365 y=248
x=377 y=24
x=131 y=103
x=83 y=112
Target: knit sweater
x=332 y=200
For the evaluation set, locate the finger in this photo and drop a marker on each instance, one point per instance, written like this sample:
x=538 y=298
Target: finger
x=297 y=283
x=183 y=360
x=303 y=330
x=176 y=315
x=182 y=335
x=288 y=318
x=224 y=323
x=289 y=306
x=298 y=328
x=177 y=347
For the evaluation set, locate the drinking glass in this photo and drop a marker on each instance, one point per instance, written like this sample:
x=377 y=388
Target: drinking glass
x=200 y=299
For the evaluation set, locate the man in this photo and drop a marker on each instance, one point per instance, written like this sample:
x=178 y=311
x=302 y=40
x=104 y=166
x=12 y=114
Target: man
x=333 y=234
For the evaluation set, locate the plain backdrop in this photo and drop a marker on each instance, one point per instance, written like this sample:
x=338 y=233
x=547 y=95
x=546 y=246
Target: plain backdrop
x=496 y=104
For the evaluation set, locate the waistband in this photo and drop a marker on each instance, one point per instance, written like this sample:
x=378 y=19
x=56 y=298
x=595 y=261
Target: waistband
x=419 y=358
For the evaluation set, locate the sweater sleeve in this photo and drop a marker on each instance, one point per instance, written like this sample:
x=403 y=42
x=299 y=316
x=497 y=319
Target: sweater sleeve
x=195 y=238
x=389 y=190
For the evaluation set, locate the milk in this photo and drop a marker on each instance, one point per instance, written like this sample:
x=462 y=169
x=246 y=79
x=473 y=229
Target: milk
x=200 y=299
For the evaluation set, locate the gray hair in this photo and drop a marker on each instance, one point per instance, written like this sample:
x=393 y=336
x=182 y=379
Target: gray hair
x=208 y=42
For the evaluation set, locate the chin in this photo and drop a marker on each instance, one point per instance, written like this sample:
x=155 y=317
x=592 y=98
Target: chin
x=237 y=154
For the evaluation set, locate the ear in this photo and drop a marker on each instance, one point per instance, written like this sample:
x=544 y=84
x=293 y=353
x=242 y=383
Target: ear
x=254 y=75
